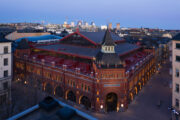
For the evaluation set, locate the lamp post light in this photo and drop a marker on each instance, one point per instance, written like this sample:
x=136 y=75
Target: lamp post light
x=122 y=107
x=101 y=106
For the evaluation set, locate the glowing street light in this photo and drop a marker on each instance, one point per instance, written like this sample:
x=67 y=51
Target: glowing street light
x=122 y=105
x=101 y=106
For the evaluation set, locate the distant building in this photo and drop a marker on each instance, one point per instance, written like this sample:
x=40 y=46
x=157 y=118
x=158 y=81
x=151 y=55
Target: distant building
x=118 y=26
x=103 y=27
x=93 y=24
x=110 y=26
x=16 y=35
x=167 y=35
x=72 y=24
x=5 y=71
x=41 y=39
x=176 y=75
x=79 y=23
x=86 y=24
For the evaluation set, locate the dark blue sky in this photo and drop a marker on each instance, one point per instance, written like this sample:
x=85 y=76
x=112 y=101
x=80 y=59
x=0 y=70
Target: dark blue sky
x=129 y=13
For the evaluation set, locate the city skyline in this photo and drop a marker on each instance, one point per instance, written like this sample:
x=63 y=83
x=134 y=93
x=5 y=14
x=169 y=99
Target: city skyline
x=163 y=14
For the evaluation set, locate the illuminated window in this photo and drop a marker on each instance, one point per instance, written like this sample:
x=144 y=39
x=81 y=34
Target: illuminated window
x=108 y=48
x=105 y=48
x=112 y=49
x=39 y=72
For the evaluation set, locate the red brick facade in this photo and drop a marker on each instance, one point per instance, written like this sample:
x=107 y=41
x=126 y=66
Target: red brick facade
x=119 y=84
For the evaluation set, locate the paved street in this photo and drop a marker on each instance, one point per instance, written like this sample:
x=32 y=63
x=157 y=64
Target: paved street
x=144 y=106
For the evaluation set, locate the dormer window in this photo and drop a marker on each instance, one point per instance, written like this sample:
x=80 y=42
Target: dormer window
x=112 y=48
x=107 y=49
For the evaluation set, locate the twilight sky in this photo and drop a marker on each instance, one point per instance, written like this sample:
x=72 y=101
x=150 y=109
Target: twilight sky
x=129 y=13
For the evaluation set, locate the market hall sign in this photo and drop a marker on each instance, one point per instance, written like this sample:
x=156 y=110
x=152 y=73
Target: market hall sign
x=111 y=85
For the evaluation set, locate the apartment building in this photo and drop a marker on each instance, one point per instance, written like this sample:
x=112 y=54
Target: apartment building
x=5 y=70
x=175 y=75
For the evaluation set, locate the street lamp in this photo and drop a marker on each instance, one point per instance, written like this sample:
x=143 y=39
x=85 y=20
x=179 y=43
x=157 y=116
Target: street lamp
x=101 y=106
x=122 y=105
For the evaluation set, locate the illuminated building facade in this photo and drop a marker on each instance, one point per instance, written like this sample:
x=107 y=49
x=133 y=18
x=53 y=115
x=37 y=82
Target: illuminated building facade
x=97 y=69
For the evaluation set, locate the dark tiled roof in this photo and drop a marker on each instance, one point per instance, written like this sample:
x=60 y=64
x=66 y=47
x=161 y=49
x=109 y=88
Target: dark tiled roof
x=177 y=37
x=2 y=40
x=107 y=40
x=125 y=47
x=89 y=52
x=108 y=58
x=98 y=36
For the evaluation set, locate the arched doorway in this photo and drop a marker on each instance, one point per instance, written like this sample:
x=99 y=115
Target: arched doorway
x=71 y=96
x=49 y=88
x=59 y=91
x=85 y=101
x=111 y=102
